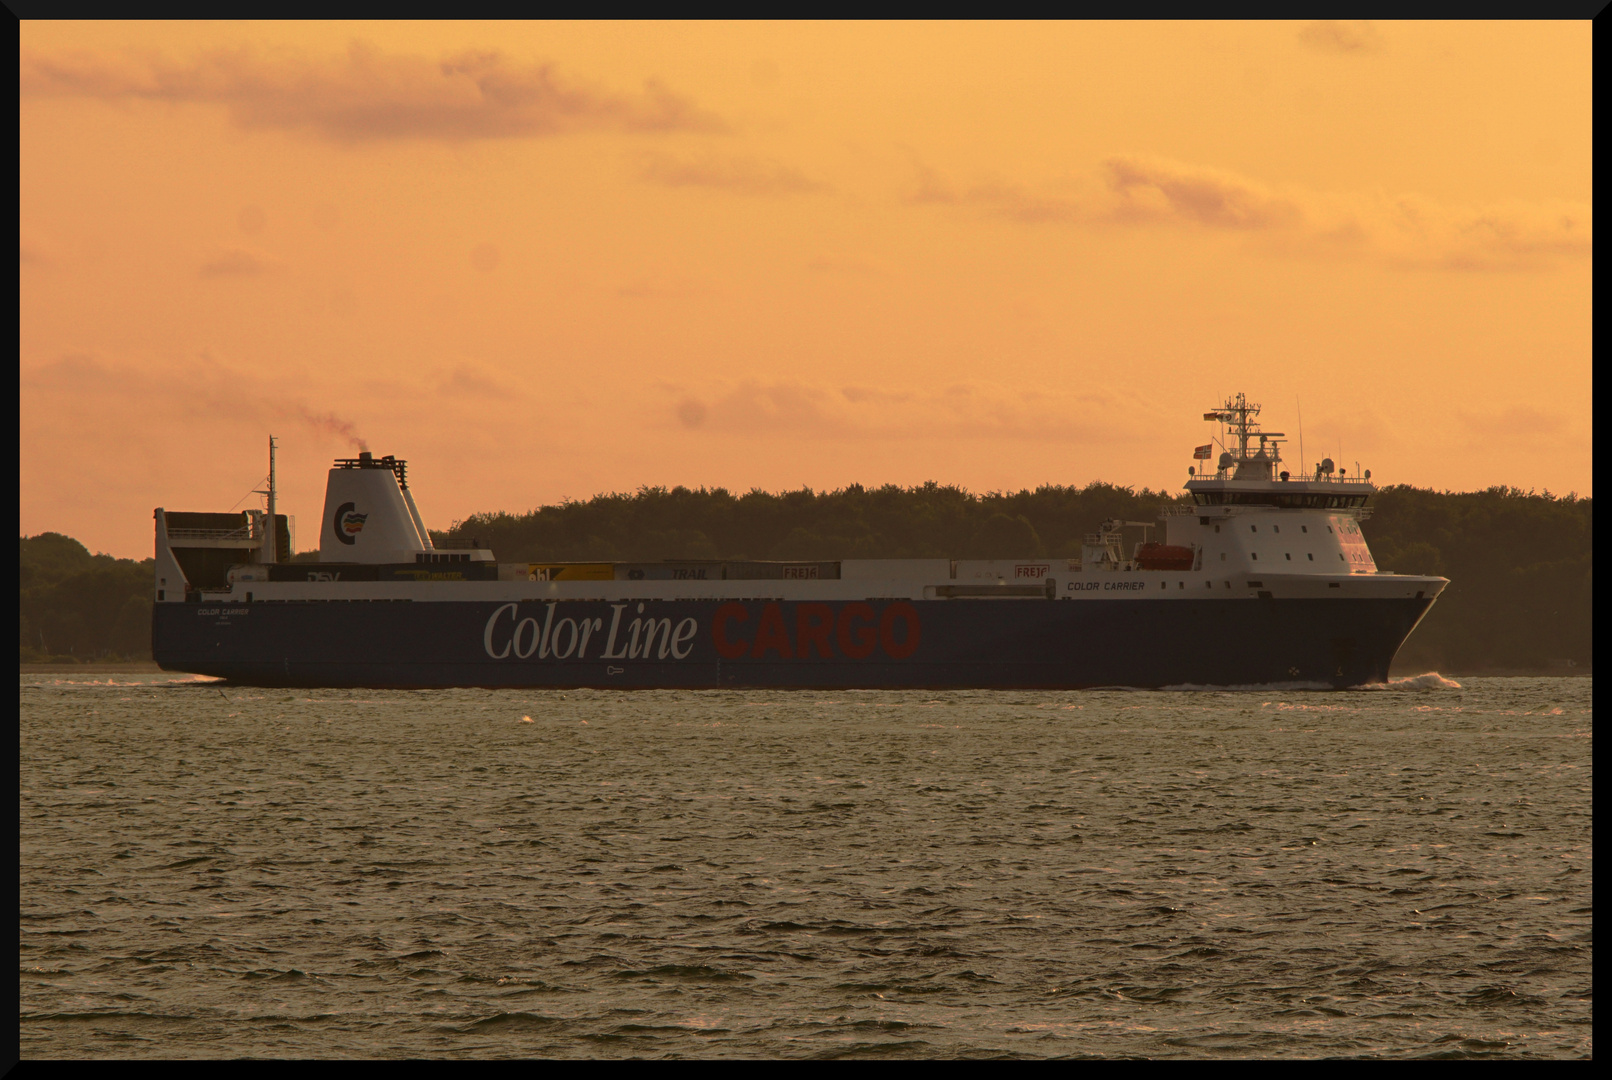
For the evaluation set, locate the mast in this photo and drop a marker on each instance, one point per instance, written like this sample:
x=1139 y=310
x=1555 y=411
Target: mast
x=1238 y=415
x=270 y=551
x=1302 y=465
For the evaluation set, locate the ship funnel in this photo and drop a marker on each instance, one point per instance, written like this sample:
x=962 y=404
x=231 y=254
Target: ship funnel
x=369 y=515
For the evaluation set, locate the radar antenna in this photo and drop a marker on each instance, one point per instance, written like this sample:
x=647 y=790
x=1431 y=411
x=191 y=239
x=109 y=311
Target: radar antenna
x=1238 y=415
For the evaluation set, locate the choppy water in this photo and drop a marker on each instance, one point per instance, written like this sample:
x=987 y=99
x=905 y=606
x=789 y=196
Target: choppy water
x=227 y=872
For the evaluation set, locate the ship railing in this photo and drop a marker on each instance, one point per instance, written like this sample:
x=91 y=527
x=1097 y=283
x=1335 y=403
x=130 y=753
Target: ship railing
x=1178 y=510
x=1333 y=477
x=457 y=543
x=245 y=532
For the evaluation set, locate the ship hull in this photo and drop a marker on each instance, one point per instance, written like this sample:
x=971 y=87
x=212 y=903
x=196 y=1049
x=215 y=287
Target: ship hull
x=711 y=644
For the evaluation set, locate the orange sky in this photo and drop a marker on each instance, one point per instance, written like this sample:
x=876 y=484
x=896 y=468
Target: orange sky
x=545 y=261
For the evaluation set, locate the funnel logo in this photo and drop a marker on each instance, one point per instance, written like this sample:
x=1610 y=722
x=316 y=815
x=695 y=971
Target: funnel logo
x=348 y=523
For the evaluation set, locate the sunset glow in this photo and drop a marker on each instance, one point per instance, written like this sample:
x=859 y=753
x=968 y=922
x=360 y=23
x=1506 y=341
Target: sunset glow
x=546 y=261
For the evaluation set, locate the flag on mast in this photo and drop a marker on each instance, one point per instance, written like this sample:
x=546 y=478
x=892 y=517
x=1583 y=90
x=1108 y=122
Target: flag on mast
x=1202 y=453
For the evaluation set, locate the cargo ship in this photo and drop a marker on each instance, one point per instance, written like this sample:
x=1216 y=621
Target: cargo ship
x=1260 y=577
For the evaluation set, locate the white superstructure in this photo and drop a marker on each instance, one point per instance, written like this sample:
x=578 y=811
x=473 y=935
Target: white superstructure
x=1251 y=530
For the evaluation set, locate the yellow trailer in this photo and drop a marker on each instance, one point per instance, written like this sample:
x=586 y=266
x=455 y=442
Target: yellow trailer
x=570 y=571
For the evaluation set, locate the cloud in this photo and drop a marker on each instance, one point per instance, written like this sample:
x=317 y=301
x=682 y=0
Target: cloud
x=467 y=380
x=691 y=414
x=859 y=394
x=1405 y=230
x=957 y=411
x=366 y=94
x=1153 y=190
x=1537 y=431
x=1343 y=38
x=747 y=176
x=998 y=199
x=1512 y=423
x=211 y=390
x=234 y=263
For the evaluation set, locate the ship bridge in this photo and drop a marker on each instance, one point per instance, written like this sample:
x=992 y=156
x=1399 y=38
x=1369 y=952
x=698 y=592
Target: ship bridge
x=1248 y=516
x=1249 y=470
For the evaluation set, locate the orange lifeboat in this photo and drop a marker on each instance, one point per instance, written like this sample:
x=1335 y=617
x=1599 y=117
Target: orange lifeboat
x=1163 y=557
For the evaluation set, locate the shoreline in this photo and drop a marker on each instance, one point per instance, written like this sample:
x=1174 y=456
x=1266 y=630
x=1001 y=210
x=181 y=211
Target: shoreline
x=26 y=667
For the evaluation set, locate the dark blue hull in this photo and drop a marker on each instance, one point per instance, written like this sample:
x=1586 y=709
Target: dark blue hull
x=705 y=644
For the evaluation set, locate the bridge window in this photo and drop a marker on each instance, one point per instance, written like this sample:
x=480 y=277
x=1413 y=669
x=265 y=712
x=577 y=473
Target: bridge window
x=1284 y=500
x=1310 y=557
x=1289 y=558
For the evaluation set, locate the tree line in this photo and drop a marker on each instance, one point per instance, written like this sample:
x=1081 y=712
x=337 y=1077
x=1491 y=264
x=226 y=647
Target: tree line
x=1520 y=569
x=1519 y=562
x=80 y=607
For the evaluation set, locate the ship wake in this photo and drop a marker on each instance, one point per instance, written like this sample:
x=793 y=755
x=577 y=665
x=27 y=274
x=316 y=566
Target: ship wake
x=1428 y=680
x=1240 y=688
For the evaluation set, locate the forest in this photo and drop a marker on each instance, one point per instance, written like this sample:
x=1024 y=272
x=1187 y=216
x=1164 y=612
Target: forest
x=77 y=607
x=1519 y=562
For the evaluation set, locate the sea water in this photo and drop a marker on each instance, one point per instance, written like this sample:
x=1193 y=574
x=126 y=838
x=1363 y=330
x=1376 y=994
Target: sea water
x=218 y=871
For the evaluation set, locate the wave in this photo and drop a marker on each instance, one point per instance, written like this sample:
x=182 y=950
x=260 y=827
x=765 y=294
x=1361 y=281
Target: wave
x=1238 y=688
x=1428 y=680
x=132 y=682
x=512 y=1021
